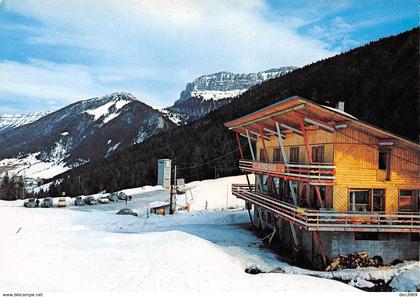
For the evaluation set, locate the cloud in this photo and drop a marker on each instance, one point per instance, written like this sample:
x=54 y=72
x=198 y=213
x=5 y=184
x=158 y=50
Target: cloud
x=43 y=85
x=234 y=35
x=44 y=80
x=151 y=48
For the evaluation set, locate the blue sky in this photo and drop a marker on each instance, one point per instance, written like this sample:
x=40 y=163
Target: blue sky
x=55 y=52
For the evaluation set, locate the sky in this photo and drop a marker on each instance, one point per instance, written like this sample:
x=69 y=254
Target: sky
x=56 y=52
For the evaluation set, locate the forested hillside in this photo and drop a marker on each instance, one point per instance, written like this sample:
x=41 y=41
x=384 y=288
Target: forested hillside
x=379 y=83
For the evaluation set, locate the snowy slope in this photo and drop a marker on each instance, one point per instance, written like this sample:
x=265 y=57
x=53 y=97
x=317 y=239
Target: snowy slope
x=90 y=248
x=8 y=121
x=94 y=249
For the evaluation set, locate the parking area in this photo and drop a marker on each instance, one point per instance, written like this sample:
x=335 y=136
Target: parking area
x=139 y=202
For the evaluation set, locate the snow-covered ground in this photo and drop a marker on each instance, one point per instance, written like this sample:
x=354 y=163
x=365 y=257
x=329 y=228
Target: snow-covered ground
x=30 y=166
x=90 y=248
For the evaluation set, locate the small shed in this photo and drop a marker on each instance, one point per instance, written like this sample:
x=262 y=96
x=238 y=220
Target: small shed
x=164 y=173
x=159 y=207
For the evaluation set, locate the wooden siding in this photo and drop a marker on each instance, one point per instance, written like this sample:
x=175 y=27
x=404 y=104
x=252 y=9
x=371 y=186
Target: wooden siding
x=355 y=155
x=357 y=168
x=315 y=138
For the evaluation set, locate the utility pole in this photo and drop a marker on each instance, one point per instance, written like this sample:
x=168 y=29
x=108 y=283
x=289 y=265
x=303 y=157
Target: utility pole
x=24 y=188
x=176 y=186
x=171 y=195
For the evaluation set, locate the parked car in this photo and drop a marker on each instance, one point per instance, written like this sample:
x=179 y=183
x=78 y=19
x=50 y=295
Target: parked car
x=30 y=203
x=47 y=202
x=122 y=196
x=113 y=197
x=62 y=202
x=79 y=201
x=103 y=199
x=91 y=200
x=127 y=211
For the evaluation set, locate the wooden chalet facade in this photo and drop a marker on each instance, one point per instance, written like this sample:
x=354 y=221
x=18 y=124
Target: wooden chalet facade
x=329 y=183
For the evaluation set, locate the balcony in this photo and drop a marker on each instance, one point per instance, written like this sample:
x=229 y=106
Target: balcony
x=314 y=174
x=319 y=220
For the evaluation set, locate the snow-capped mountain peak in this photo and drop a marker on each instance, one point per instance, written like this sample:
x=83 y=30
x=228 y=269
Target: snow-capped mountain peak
x=209 y=92
x=81 y=132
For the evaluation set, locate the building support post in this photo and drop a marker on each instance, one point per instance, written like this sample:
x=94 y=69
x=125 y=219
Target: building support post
x=291 y=186
x=317 y=237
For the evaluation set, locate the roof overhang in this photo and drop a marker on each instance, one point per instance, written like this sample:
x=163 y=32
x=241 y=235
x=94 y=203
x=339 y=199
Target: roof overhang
x=290 y=112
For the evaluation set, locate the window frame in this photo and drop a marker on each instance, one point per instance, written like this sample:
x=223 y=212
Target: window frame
x=315 y=151
x=370 y=206
x=277 y=152
x=296 y=152
x=415 y=193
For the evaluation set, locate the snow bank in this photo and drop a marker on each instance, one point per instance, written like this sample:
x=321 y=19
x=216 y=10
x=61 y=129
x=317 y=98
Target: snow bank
x=69 y=250
x=141 y=190
x=407 y=281
x=213 y=193
x=403 y=276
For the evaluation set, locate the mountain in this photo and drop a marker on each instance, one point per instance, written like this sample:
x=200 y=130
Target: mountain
x=79 y=133
x=9 y=122
x=378 y=82
x=209 y=92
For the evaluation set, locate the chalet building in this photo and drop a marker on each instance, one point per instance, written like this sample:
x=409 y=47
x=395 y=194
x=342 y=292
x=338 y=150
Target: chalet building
x=328 y=183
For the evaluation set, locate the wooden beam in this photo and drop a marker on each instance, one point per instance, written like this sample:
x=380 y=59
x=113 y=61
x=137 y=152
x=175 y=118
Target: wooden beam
x=250 y=146
x=241 y=153
x=286 y=125
x=246 y=136
x=315 y=121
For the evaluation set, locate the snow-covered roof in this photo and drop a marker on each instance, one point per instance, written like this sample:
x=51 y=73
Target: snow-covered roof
x=339 y=111
x=157 y=204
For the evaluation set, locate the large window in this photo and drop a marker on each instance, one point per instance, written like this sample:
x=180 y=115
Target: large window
x=409 y=201
x=367 y=200
x=318 y=154
x=294 y=155
x=277 y=156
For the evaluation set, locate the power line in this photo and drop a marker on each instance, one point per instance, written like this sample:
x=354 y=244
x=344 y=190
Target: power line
x=209 y=161
x=374 y=147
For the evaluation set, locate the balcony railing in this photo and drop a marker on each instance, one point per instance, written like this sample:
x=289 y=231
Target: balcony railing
x=320 y=220
x=316 y=174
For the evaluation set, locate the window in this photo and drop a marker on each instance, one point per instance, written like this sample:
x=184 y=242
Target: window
x=262 y=155
x=384 y=162
x=383 y=159
x=409 y=201
x=367 y=200
x=318 y=154
x=277 y=156
x=359 y=200
x=294 y=155
x=378 y=200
